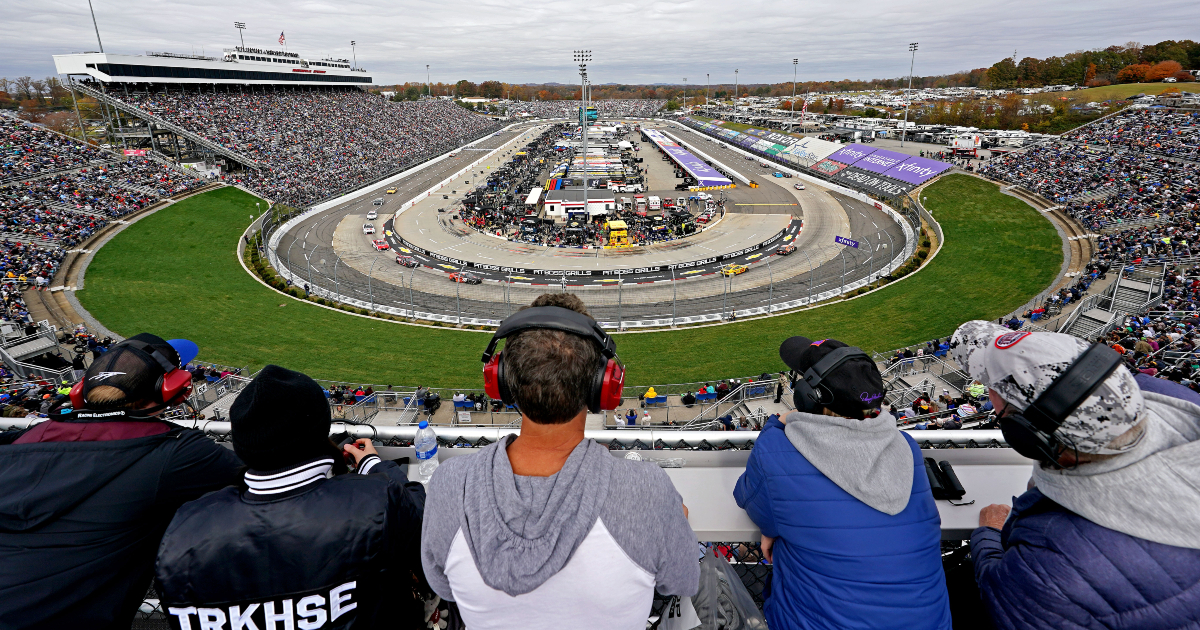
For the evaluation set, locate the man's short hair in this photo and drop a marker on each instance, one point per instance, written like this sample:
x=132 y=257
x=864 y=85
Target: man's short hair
x=550 y=372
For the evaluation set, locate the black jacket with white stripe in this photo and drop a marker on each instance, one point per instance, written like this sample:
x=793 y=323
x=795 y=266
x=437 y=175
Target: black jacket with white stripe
x=295 y=548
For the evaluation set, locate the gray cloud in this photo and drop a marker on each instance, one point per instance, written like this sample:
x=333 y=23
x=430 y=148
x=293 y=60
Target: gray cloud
x=633 y=42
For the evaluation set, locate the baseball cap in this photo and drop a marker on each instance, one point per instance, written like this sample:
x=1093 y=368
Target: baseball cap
x=855 y=385
x=134 y=366
x=1020 y=365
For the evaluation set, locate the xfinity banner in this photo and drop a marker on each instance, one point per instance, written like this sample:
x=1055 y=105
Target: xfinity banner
x=917 y=170
x=864 y=180
x=851 y=153
x=881 y=161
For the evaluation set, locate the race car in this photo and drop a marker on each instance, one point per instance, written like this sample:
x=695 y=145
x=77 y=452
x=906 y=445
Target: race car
x=798 y=186
x=465 y=277
x=368 y=228
x=786 y=249
x=380 y=245
x=733 y=270
x=372 y=215
x=406 y=261
x=391 y=191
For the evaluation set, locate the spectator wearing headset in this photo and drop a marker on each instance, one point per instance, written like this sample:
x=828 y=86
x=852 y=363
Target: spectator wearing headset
x=1109 y=534
x=521 y=533
x=843 y=502
x=298 y=540
x=87 y=494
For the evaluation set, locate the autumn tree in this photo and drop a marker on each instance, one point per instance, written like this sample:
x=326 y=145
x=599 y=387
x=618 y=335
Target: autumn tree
x=1163 y=69
x=491 y=89
x=464 y=88
x=1133 y=73
x=1090 y=75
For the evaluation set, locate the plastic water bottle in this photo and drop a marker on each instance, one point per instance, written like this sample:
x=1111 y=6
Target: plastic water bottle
x=426 y=443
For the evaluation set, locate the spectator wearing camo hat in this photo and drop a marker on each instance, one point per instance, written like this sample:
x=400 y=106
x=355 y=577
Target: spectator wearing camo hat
x=1109 y=534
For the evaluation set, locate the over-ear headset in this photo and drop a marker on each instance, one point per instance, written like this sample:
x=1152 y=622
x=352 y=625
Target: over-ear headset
x=807 y=391
x=1031 y=432
x=608 y=379
x=170 y=389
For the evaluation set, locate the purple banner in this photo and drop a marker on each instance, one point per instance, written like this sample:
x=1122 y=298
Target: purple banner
x=881 y=161
x=916 y=170
x=851 y=153
x=705 y=175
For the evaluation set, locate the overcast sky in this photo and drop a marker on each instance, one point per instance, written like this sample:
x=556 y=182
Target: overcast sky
x=523 y=41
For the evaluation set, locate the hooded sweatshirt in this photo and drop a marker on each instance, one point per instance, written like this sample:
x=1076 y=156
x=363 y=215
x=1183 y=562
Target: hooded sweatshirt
x=1151 y=492
x=867 y=458
x=586 y=546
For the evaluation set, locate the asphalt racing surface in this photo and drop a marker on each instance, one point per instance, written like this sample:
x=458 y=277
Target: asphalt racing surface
x=330 y=250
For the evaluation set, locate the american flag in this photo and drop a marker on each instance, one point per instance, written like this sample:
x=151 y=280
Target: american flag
x=281 y=37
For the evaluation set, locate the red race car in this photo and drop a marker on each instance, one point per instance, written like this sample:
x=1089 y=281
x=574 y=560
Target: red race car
x=786 y=249
x=407 y=261
x=380 y=245
x=465 y=277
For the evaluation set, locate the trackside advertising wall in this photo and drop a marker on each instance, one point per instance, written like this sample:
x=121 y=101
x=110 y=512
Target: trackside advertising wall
x=878 y=171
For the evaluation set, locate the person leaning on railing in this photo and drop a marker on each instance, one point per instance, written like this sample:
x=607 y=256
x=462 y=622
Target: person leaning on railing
x=547 y=530
x=843 y=502
x=1108 y=535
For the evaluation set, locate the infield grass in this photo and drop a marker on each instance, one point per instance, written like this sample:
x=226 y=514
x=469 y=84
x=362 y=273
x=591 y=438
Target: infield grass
x=175 y=273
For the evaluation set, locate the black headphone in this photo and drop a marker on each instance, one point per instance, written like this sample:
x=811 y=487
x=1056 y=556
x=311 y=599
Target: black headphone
x=608 y=379
x=1031 y=432
x=806 y=392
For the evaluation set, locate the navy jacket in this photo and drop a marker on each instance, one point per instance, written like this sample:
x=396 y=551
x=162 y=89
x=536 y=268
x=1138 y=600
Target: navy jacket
x=1051 y=568
x=80 y=521
x=840 y=563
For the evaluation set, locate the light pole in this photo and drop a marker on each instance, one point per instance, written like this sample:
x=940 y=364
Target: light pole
x=620 y=286
x=95 y=26
x=842 y=291
x=428 y=83
x=337 y=288
x=354 y=54
x=412 y=309
x=810 y=276
x=913 y=49
x=582 y=57
x=707 y=85
x=795 y=69
x=685 y=92
x=891 y=246
x=240 y=26
x=457 y=298
x=674 y=296
x=735 y=90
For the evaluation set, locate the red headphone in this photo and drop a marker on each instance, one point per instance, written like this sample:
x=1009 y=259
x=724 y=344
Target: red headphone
x=608 y=379
x=171 y=388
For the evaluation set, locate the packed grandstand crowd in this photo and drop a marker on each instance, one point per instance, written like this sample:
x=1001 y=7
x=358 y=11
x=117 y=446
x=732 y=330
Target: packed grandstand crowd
x=608 y=108
x=56 y=193
x=312 y=145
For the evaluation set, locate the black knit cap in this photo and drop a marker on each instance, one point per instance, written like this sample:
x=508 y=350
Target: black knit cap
x=280 y=419
x=855 y=385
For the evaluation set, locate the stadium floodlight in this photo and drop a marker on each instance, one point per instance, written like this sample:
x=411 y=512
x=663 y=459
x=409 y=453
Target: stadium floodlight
x=795 y=69
x=240 y=26
x=582 y=57
x=353 y=53
x=735 y=90
x=912 y=48
x=707 y=84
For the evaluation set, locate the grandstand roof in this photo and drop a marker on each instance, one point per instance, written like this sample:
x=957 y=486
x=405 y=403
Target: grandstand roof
x=237 y=66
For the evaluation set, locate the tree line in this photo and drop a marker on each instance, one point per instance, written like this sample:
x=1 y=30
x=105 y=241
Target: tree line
x=1127 y=63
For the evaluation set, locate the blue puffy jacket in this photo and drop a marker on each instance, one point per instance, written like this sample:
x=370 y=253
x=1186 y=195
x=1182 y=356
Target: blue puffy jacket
x=840 y=563
x=1051 y=568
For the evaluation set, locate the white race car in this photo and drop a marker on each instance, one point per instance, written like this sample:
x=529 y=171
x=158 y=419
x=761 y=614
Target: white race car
x=368 y=228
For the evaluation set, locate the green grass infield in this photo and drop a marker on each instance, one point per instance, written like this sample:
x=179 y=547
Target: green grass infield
x=175 y=273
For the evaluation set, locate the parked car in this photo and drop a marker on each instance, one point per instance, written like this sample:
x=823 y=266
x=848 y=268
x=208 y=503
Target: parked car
x=368 y=228
x=465 y=277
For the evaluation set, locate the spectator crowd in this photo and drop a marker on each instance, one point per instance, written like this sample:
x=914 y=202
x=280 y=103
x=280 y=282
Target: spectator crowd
x=609 y=108
x=315 y=144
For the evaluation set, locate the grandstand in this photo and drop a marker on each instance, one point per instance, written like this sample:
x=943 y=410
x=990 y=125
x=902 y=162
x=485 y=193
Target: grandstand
x=298 y=137
x=606 y=109
x=1130 y=180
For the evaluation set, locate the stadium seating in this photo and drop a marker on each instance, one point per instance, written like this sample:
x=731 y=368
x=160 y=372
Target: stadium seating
x=615 y=108
x=318 y=144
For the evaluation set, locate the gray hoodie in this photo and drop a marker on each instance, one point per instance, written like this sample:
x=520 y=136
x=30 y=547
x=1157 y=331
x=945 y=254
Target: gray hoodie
x=1150 y=492
x=521 y=531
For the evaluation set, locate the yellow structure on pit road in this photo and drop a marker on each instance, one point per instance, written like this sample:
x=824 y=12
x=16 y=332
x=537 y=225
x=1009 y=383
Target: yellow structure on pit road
x=618 y=234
